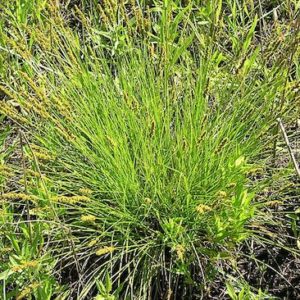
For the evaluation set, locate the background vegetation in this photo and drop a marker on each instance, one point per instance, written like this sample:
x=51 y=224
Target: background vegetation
x=141 y=156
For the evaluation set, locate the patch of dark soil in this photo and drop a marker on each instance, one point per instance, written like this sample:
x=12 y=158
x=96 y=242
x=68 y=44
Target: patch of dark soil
x=272 y=269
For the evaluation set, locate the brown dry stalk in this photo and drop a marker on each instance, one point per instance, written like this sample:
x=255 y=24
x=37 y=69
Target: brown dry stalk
x=287 y=142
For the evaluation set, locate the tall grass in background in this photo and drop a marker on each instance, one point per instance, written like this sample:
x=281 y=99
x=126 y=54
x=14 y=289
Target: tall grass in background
x=140 y=127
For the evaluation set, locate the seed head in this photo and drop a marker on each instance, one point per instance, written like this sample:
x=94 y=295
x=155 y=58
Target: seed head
x=105 y=250
x=202 y=208
x=88 y=218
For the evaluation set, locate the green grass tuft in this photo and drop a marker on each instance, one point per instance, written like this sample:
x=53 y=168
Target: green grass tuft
x=141 y=144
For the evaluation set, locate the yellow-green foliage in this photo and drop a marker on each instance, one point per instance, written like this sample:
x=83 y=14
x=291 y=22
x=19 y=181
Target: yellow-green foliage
x=140 y=123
